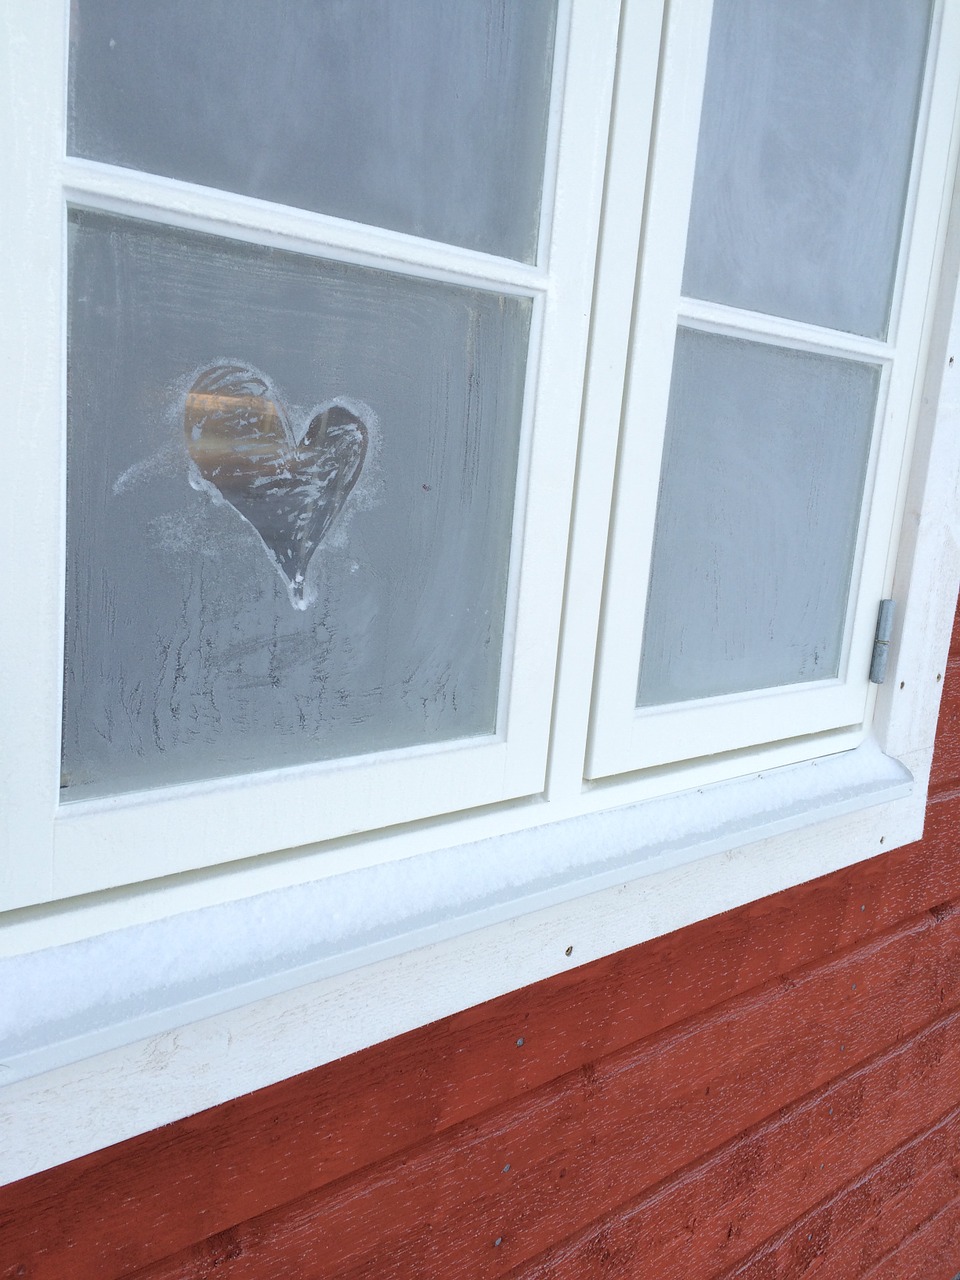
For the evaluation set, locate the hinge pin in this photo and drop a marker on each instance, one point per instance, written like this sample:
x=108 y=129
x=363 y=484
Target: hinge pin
x=881 y=641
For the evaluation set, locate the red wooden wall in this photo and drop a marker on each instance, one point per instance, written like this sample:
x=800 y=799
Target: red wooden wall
x=772 y=1093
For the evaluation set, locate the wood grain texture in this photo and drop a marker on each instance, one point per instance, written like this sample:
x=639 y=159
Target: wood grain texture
x=870 y=1218
x=945 y=771
x=929 y=1253
x=694 y=1222
x=769 y=1093
x=711 y=1220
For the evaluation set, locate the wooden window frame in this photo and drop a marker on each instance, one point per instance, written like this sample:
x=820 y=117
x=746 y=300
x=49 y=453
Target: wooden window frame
x=799 y=721
x=589 y=865
x=76 y=847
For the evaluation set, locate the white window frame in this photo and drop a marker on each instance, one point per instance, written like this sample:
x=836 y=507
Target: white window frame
x=579 y=870
x=84 y=846
x=836 y=711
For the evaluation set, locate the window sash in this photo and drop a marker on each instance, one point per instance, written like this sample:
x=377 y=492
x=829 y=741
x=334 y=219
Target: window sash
x=625 y=738
x=88 y=845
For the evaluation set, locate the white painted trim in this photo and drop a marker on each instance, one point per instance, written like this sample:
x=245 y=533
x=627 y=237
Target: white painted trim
x=470 y=939
x=367 y=989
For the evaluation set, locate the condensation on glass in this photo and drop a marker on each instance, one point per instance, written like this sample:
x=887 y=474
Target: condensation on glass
x=803 y=164
x=425 y=116
x=763 y=474
x=290 y=498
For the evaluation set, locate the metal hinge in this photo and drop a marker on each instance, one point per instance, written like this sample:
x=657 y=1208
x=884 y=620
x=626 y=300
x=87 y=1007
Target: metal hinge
x=881 y=641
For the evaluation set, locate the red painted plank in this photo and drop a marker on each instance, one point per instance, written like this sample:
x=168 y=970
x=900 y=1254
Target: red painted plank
x=945 y=772
x=867 y=1220
x=715 y=1215
x=547 y=1166
x=930 y=1253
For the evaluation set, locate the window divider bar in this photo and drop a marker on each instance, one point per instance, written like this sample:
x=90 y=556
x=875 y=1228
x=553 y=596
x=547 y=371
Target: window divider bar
x=91 y=185
x=734 y=322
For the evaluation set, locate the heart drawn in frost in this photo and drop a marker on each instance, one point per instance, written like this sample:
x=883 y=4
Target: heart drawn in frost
x=244 y=452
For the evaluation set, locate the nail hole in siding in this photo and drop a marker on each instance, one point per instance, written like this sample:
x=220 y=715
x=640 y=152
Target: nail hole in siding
x=569 y=951
x=498 y=1242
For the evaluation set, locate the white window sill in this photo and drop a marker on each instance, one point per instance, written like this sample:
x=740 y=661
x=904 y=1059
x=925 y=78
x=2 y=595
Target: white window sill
x=67 y=1003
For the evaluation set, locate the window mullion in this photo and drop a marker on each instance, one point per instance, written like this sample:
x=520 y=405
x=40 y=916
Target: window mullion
x=647 y=387
x=626 y=183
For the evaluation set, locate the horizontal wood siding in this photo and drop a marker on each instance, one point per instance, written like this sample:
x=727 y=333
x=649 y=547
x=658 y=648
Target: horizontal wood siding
x=769 y=1094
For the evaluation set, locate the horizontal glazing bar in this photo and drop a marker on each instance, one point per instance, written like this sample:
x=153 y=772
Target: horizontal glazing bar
x=714 y=317
x=91 y=185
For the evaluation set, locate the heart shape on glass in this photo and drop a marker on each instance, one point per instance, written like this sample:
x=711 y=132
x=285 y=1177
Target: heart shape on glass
x=244 y=452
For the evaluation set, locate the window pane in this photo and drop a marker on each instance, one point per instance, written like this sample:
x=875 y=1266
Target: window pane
x=236 y=600
x=425 y=116
x=763 y=474
x=804 y=157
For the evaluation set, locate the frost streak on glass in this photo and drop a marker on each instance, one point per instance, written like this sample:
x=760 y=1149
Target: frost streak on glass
x=756 y=530
x=186 y=657
x=424 y=116
x=804 y=157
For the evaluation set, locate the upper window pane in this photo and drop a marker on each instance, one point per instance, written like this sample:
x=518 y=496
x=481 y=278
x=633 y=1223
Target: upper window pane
x=428 y=117
x=804 y=158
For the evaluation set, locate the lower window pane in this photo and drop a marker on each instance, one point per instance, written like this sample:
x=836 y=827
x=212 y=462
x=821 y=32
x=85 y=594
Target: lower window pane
x=764 y=464
x=290 y=498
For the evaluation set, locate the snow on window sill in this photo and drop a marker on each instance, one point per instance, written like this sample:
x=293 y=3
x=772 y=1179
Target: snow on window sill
x=67 y=1003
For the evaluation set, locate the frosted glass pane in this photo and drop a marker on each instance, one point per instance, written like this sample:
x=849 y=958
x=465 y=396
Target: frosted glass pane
x=423 y=116
x=804 y=157
x=756 y=529
x=290 y=496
